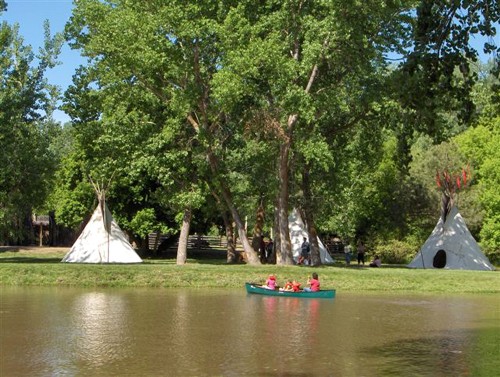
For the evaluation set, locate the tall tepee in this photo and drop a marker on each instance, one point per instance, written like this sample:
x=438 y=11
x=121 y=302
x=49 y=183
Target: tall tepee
x=298 y=232
x=451 y=245
x=102 y=240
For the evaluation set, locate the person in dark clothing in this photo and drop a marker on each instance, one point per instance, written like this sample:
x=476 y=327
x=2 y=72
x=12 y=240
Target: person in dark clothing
x=361 y=252
x=304 y=252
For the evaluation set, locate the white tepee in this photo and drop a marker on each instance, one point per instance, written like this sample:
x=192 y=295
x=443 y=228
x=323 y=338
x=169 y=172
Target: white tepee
x=451 y=246
x=297 y=234
x=102 y=240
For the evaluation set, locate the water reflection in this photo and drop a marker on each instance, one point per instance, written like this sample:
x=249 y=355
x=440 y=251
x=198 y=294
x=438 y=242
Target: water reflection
x=300 y=318
x=100 y=323
x=444 y=354
x=153 y=332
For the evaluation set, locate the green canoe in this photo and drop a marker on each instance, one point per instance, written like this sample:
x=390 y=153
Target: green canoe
x=259 y=290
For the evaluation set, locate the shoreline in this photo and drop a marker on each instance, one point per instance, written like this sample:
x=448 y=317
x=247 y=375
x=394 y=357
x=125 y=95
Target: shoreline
x=29 y=266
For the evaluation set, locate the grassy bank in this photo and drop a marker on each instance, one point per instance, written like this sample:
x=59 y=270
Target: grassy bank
x=42 y=267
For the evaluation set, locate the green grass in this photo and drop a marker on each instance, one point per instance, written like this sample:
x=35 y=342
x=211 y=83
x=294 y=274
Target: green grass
x=31 y=268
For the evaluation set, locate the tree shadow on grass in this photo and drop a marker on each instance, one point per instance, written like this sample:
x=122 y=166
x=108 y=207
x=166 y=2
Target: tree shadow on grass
x=25 y=259
x=199 y=256
x=17 y=254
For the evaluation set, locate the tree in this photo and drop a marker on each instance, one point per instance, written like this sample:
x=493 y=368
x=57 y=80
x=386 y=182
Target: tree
x=124 y=132
x=430 y=93
x=436 y=75
x=480 y=145
x=173 y=56
x=291 y=66
x=297 y=79
x=26 y=128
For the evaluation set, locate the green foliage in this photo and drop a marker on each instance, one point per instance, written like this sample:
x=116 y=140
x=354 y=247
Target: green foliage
x=437 y=75
x=485 y=92
x=144 y=222
x=429 y=159
x=181 y=98
x=393 y=251
x=215 y=231
x=490 y=235
x=480 y=144
x=26 y=130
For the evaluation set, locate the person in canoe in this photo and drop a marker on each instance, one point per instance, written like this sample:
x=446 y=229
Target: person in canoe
x=295 y=286
x=313 y=283
x=270 y=282
x=288 y=286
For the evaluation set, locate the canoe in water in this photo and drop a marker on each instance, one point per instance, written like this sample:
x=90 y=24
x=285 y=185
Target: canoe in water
x=259 y=290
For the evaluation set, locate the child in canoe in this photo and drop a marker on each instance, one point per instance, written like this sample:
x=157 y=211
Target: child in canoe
x=270 y=282
x=296 y=286
x=288 y=286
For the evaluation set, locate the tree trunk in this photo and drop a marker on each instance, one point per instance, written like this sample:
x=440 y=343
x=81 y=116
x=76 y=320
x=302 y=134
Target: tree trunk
x=251 y=255
x=258 y=235
x=232 y=254
x=309 y=218
x=183 y=238
x=226 y=194
x=40 y=236
x=284 y=252
x=274 y=255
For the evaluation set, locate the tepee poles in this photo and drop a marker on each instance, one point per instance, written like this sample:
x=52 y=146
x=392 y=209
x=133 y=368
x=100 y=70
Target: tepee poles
x=101 y=197
x=449 y=184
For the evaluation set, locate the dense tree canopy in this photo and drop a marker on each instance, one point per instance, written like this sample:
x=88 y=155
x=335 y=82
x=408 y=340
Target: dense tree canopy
x=295 y=86
x=210 y=111
x=26 y=129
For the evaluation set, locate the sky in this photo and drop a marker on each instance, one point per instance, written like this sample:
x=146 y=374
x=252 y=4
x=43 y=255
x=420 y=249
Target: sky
x=31 y=14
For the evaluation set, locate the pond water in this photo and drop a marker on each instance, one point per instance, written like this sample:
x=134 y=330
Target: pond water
x=170 y=332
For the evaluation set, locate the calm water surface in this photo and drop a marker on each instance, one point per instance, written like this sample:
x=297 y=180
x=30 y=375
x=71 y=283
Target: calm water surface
x=157 y=332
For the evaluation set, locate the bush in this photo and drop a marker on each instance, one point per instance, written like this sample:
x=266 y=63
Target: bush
x=490 y=239
x=395 y=251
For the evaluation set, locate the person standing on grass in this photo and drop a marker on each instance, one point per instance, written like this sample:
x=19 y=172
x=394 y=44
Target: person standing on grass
x=304 y=252
x=269 y=250
x=361 y=252
x=347 y=252
x=262 y=250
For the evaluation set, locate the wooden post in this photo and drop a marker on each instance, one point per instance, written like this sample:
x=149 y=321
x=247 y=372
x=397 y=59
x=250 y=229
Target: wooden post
x=40 y=235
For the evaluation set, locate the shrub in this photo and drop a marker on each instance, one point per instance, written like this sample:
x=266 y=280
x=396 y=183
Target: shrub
x=395 y=251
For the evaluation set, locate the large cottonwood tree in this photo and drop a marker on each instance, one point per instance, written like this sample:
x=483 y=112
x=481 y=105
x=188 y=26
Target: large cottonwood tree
x=297 y=67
